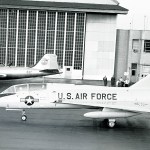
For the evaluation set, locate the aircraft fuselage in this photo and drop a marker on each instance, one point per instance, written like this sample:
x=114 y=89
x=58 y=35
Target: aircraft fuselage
x=7 y=73
x=75 y=96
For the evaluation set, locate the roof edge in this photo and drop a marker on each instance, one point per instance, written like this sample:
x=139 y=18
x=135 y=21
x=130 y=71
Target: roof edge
x=63 y=6
x=65 y=9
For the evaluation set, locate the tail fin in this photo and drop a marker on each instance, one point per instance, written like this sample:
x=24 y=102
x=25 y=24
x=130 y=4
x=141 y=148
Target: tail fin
x=47 y=62
x=143 y=83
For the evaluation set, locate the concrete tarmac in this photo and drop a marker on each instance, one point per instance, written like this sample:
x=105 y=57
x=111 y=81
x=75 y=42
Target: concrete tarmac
x=69 y=130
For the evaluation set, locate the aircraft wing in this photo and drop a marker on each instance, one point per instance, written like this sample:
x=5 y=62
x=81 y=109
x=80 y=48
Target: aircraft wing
x=3 y=75
x=132 y=106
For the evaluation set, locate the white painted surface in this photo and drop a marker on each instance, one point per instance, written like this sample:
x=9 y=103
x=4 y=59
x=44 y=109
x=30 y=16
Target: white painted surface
x=111 y=2
x=100 y=46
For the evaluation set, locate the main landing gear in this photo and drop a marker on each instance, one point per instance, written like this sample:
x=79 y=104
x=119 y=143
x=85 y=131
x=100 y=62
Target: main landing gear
x=110 y=123
x=23 y=117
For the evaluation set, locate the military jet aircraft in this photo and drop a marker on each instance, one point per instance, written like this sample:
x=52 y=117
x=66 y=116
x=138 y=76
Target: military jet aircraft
x=110 y=102
x=46 y=66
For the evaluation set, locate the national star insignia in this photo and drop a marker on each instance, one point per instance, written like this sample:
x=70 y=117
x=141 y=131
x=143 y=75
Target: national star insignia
x=29 y=100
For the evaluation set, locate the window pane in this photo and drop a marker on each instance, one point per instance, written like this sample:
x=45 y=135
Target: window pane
x=135 y=44
x=134 y=66
x=147 y=46
x=133 y=72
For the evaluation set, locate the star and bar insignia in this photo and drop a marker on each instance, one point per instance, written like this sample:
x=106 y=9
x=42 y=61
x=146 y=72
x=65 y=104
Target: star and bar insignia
x=29 y=100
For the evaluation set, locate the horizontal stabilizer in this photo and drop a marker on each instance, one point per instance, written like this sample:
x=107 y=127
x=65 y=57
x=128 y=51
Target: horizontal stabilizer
x=143 y=83
x=51 y=71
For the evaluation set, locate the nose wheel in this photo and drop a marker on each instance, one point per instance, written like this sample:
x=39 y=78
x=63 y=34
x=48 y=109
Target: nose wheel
x=23 y=117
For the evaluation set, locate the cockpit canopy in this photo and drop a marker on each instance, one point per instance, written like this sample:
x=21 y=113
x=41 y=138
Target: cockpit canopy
x=25 y=88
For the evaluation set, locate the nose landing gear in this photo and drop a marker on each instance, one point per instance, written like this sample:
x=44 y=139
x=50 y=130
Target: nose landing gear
x=23 y=117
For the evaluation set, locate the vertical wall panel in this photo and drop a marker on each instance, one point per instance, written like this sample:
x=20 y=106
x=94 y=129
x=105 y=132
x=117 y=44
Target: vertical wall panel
x=31 y=38
x=69 y=39
x=79 y=41
x=12 y=25
x=21 y=37
x=40 y=35
x=60 y=37
x=51 y=18
x=100 y=46
x=3 y=30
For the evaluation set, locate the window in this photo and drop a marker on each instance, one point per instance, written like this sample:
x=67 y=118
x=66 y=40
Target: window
x=133 y=72
x=40 y=34
x=50 y=38
x=68 y=69
x=133 y=69
x=34 y=32
x=60 y=37
x=31 y=38
x=21 y=38
x=3 y=28
x=147 y=46
x=135 y=45
x=79 y=41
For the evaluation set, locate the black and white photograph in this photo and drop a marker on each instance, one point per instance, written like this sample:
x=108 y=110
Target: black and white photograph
x=74 y=75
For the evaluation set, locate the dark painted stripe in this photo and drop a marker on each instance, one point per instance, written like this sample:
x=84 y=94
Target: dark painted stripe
x=50 y=71
x=6 y=94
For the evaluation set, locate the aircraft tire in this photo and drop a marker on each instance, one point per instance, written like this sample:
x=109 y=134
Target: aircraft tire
x=111 y=124
x=24 y=118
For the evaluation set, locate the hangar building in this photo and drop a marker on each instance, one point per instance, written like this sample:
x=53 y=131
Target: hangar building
x=83 y=36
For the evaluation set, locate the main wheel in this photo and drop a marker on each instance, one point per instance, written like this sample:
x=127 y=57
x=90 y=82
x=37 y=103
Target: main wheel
x=111 y=124
x=24 y=118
